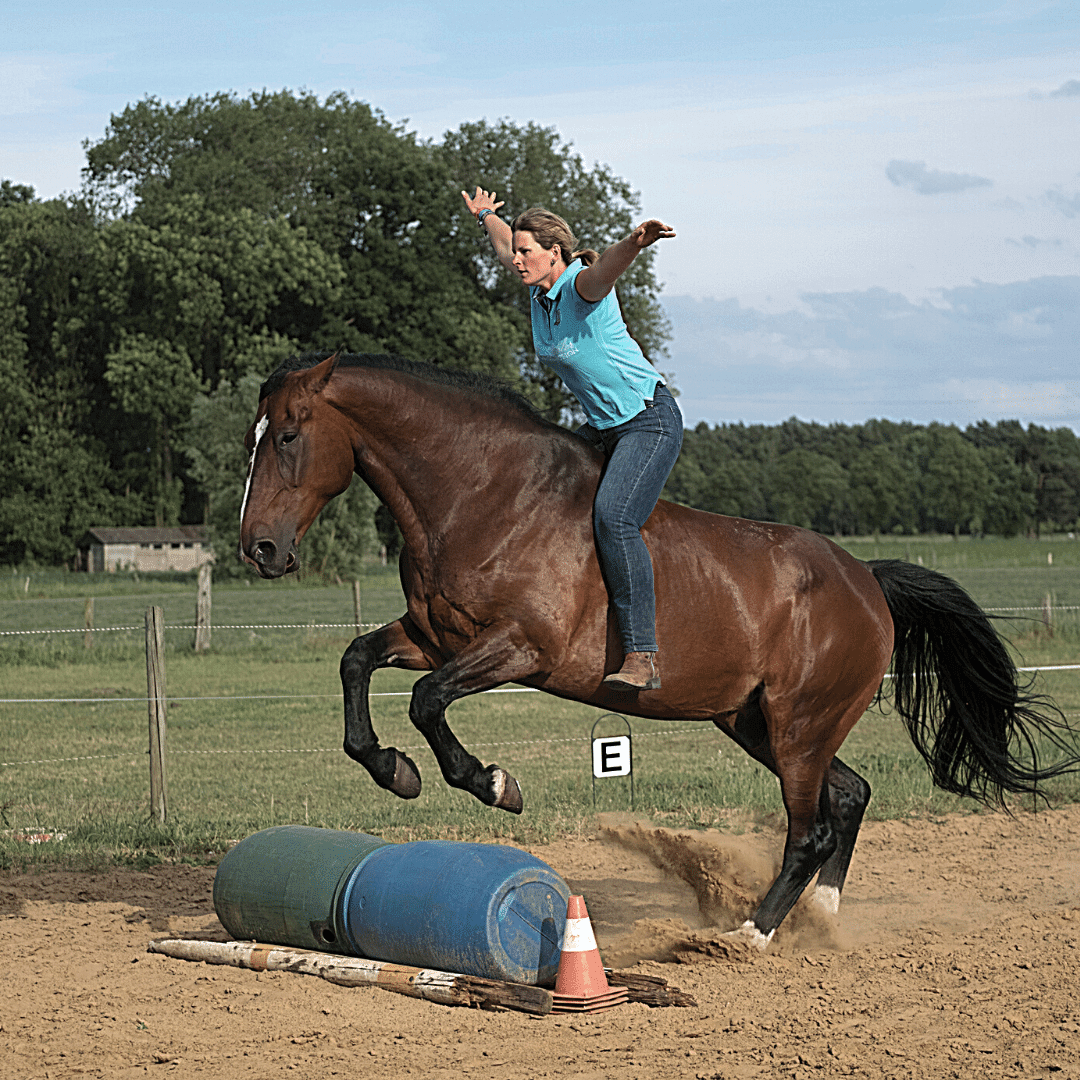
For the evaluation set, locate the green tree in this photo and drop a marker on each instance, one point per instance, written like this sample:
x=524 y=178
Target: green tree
x=881 y=490
x=1053 y=456
x=189 y=294
x=806 y=488
x=13 y=194
x=214 y=282
x=365 y=192
x=152 y=380
x=55 y=478
x=954 y=481
x=56 y=487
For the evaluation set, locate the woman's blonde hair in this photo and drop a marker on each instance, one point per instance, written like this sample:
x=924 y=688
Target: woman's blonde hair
x=549 y=230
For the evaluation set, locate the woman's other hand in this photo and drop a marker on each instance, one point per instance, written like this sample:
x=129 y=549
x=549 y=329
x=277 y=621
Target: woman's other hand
x=482 y=200
x=648 y=232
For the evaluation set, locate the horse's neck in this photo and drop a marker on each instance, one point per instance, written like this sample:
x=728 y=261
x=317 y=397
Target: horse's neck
x=443 y=459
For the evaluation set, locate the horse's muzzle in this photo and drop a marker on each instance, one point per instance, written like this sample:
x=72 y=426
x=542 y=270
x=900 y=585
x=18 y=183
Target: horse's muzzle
x=266 y=558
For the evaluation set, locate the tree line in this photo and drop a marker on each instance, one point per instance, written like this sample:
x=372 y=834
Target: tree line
x=213 y=237
x=885 y=477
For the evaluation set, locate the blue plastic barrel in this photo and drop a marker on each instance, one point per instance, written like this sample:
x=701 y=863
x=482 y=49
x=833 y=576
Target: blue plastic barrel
x=478 y=909
x=281 y=885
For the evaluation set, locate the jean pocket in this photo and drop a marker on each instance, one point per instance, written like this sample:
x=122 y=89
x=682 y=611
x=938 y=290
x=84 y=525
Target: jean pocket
x=647 y=422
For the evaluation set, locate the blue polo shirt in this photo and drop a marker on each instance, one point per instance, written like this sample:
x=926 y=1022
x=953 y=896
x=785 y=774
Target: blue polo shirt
x=588 y=346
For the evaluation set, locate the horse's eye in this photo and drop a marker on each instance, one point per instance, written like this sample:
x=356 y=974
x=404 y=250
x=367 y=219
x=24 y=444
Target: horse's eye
x=287 y=437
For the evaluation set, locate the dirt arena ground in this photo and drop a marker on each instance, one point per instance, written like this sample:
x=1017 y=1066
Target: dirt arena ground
x=956 y=954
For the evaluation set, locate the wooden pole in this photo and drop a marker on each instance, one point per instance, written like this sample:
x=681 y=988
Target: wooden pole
x=88 y=623
x=445 y=987
x=1048 y=613
x=202 y=610
x=356 y=607
x=155 y=696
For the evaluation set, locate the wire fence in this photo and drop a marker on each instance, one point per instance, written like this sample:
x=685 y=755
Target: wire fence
x=1044 y=613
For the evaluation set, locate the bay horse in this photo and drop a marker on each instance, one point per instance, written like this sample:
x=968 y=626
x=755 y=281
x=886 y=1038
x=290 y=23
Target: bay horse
x=774 y=633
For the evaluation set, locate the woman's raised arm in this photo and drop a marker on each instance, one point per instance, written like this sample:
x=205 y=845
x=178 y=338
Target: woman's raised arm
x=596 y=281
x=498 y=232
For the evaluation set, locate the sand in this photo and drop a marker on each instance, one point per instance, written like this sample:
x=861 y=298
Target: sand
x=956 y=953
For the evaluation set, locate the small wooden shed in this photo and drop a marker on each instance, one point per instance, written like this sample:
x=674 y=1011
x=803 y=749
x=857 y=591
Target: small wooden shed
x=177 y=547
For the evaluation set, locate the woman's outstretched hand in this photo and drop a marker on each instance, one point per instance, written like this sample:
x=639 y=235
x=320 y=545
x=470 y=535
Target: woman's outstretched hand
x=482 y=200
x=648 y=232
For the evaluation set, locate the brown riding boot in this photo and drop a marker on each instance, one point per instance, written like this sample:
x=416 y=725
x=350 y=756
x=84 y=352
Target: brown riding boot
x=639 y=672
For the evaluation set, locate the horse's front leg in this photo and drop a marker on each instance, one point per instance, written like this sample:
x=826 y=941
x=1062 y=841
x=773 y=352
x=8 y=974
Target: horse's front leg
x=499 y=655
x=398 y=644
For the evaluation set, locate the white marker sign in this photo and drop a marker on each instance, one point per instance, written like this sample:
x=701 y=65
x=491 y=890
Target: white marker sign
x=611 y=756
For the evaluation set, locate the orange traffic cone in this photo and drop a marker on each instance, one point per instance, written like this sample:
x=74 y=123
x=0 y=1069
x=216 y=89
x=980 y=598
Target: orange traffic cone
x=581 y=985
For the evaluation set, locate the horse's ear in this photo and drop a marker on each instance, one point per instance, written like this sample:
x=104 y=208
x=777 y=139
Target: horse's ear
x=315 y=379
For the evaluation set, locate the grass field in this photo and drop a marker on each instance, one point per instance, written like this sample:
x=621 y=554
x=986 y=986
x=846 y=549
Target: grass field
x=255 y=725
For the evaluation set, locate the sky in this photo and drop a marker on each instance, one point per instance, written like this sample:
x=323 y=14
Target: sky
x=877 y=205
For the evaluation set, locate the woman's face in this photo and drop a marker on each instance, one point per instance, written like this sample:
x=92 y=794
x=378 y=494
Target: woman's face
x=536 y=265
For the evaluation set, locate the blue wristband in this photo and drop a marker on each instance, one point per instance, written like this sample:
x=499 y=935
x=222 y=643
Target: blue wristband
x=480 y=217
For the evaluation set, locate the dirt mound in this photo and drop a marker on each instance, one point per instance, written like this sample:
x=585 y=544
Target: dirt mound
x=956 y=954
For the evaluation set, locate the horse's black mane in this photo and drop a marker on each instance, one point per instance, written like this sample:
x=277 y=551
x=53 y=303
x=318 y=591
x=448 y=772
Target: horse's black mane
x=465 y=380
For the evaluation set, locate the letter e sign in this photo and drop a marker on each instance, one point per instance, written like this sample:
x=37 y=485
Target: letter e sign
x=611 y=756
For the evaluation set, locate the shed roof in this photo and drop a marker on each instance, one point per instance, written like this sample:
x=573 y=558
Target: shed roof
x=163 y=534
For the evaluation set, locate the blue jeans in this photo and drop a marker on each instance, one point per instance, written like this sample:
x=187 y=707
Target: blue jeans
x=640 y=455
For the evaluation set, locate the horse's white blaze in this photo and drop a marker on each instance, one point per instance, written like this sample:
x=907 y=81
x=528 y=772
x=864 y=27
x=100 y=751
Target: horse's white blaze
x=828 y=896
x=260 y=431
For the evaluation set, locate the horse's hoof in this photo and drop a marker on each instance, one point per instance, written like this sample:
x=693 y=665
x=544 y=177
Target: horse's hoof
x=507 y=791
x=750 y=934
x=406 y=782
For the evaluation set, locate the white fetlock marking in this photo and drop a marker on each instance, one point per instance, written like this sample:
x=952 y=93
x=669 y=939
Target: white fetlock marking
x=498 y=782
x=828 y=896
x=749 y=933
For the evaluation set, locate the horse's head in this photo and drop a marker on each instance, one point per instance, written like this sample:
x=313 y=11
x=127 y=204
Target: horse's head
x=301 y=457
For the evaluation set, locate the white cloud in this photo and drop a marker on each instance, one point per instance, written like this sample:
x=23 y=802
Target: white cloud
x=381 y=54
x=1037 y=401
x=1033 y=242
x=915 y=175
x=43 y=83
x=982 y=351
x=1068 y=89
x=1069 y=205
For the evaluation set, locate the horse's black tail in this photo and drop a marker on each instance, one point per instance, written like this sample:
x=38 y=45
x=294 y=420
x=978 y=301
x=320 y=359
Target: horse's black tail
x=959 y=693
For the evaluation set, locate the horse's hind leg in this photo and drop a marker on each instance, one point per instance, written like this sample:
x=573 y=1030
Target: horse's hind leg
x=849 y=795
x=811 y=838
x=398 y=644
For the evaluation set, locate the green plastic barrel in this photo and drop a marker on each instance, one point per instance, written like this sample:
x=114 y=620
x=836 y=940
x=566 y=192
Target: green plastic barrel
x=280 y=885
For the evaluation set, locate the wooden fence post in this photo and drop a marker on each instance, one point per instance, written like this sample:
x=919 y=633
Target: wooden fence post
x=202 y=610
x=88 y=623
x=155 y=696
x=356 y=607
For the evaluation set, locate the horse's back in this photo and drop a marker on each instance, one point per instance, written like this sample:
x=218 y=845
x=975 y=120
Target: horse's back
x=744 y=603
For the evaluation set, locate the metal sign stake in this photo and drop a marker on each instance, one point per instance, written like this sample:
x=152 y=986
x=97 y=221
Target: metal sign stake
x=612 y=755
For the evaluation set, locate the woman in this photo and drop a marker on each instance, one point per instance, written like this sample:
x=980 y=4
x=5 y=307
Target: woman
x=579 y=332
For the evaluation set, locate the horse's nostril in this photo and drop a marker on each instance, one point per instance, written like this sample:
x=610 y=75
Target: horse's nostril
x=265 y=552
